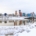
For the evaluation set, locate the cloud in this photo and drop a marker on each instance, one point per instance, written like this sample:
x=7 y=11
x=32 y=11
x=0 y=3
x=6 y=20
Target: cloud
x=10 y=6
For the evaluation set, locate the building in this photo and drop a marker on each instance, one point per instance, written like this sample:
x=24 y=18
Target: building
x=20 y=13
x=15 y=13
x=14 y=19
x=23 y=14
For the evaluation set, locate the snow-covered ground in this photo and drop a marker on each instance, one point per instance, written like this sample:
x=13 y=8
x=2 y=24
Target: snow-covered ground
x=22 y=30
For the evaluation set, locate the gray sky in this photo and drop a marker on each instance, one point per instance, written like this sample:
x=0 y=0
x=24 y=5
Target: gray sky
x=9 y=6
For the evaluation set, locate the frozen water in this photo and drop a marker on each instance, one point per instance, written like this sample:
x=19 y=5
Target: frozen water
x=27 y=28
x=19 y=30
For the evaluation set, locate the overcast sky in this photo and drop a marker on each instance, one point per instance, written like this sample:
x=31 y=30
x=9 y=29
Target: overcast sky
x=9 y=6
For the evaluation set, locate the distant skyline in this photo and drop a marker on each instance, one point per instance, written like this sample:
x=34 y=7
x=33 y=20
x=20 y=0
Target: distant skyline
x=9 y=6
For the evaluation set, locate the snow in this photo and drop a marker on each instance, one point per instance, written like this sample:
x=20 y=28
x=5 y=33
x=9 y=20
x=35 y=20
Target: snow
x=24 y=30
x=17 y=18
x=29 y=30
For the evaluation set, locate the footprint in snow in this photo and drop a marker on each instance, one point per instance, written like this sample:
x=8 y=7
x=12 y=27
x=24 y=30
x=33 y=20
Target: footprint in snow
x=28 y=31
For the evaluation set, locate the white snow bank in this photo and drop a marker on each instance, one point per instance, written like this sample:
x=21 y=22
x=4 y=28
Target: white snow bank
x=26 y=30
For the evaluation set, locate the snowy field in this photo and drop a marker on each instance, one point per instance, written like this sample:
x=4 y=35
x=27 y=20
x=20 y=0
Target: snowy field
x=22 y=30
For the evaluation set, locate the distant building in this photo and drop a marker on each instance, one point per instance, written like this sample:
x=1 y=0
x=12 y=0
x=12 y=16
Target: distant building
x=23 y=14
x=5 y=14
x=20 y=13
x=16 y=13
x=33 y=14
x=29 y=15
